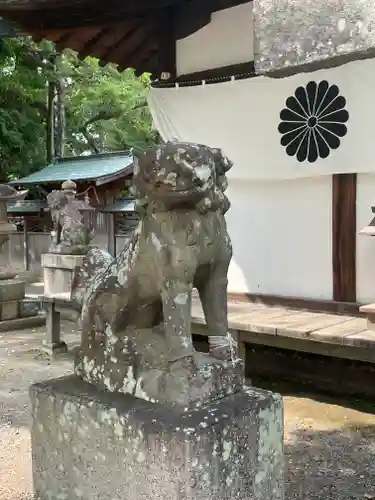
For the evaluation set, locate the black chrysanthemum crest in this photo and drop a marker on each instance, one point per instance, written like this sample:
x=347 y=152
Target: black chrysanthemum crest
x=313 y=121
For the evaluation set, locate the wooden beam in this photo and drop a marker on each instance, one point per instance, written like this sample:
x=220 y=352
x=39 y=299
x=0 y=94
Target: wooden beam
x=344 y=236
x=138 y=54
x=125 y=43
x=111 y=234
x=164 y=32
x=312 y=305
x=240 y=71
x=149 y=64
x=26 y=254
x=106 y=37
x=65 y=40
x=88 y=13
x=247 y=69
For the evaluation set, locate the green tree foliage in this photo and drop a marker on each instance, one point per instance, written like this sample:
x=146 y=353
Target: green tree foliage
x=105 y=110
x=22 y=109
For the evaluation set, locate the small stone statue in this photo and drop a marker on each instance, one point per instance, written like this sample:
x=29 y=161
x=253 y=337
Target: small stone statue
x=71 y=234
x=136 y=313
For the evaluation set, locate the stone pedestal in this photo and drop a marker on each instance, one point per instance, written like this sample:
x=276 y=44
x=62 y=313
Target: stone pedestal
x=94 y=445
x=52 y=343
x=58 y=274
x=58 y=277
x=15 y=311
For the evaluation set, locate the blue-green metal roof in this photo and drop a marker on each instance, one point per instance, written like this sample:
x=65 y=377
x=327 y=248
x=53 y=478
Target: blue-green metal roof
x=125 y=205
x=93 y=167
x=25 y=206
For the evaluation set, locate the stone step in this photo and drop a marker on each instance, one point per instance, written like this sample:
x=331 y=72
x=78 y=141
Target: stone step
x=369 y=310
x=12 y=290
x=22 y=323
x=12 y=309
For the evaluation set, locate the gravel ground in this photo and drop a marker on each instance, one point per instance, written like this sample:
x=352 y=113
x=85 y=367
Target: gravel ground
x=329 y=447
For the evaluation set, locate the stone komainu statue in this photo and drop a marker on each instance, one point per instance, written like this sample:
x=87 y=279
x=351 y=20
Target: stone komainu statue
x=71 y=234
x=136 y=313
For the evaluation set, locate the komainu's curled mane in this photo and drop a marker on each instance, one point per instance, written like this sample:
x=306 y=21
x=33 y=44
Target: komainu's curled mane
x=181 y=242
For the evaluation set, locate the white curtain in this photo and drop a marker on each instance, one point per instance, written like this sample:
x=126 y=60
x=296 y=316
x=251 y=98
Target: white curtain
x=329 y=121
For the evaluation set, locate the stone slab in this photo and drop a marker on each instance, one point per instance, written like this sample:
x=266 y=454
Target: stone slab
x=60 y=261
x=95 y=445
x=30 y=308
x=6 y=274
x=12 y=290
x=12 y=309
x=58 y=283
x=22 y=323
x=9 y=309
x=53 y=349
x=58 y=274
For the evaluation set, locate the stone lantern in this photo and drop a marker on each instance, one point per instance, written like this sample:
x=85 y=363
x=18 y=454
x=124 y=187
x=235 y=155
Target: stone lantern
x=71 y=237
x=15 y=312
x=7 y=193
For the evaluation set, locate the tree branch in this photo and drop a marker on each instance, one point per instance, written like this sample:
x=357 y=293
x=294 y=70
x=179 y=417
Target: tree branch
x=102 y=115
x=14 y=96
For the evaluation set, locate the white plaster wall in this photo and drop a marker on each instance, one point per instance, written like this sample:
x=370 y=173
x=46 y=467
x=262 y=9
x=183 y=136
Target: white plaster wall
x=215 y=45
x=365 y=244
x=281 y=235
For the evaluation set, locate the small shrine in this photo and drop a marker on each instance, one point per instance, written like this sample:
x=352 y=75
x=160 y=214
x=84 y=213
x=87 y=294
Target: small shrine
x=101 y=182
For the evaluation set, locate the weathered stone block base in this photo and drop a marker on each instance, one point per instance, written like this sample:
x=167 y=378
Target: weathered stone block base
x=18 y=313
x=92 y=445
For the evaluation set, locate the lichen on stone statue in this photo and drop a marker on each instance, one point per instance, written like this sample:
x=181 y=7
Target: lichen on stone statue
x=136 y=311
x=71 y=234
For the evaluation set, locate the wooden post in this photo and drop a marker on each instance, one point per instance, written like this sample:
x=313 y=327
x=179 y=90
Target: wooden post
x=111 y=232
x=59 y=112
x=26 y=256
x=164 y=29
x=50 y=122
x=344 y=236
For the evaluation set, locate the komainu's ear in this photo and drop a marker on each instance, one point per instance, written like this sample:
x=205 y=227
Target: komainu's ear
x=223 y=164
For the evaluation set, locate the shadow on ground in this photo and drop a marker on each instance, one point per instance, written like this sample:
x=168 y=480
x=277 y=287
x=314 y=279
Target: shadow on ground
x=335 y=464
